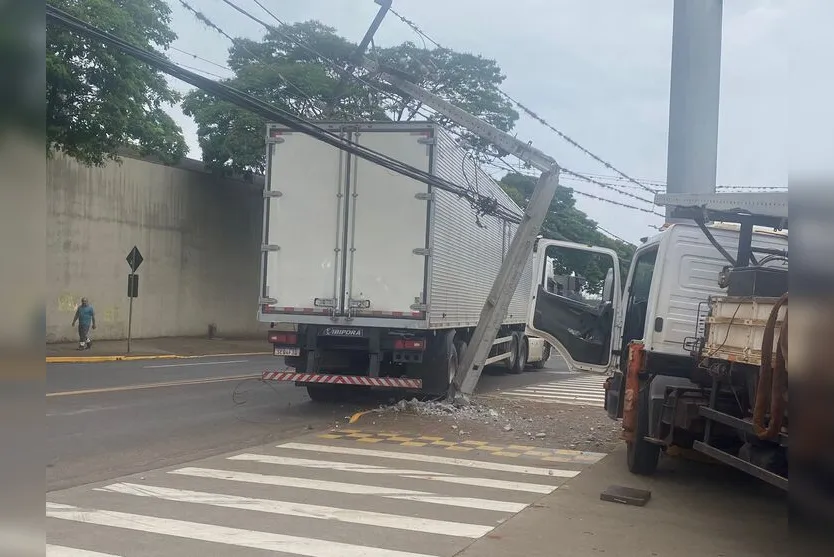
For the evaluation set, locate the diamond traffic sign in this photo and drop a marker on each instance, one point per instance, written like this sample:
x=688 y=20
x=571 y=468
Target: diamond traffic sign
x=134 y=259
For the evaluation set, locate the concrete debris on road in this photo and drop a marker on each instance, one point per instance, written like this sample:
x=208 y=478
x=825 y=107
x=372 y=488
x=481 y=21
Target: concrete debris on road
x=521 y=421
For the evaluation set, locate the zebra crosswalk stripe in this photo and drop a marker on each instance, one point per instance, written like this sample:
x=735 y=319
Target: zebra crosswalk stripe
x=585 y=390
x=268 y=541
x=320 y=512
x=343 y=501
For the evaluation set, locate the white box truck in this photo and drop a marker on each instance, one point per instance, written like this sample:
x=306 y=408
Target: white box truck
x=382 y=276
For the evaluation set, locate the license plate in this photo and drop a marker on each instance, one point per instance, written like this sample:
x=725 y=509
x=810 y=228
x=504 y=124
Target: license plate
x=286 y=351
x=350 y=332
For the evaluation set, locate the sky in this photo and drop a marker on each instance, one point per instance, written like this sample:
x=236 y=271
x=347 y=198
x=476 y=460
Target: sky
x=598 y=70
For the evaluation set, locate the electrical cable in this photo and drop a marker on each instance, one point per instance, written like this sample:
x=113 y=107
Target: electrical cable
x=338 y=68
x=508 y=167
x=278 y=115
x=209 y=23
x=531 y=113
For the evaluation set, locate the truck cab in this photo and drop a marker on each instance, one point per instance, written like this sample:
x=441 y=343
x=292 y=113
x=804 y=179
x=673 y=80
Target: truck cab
x=663 y=303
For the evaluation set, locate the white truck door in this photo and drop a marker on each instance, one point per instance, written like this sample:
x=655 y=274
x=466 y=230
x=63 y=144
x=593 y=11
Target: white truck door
x=304 y=219
x=581 y=322
x=387 y=228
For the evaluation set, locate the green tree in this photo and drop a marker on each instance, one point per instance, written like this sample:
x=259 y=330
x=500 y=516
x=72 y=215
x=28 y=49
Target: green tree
x=565 y=222
x=99 y=100
x=295 y=78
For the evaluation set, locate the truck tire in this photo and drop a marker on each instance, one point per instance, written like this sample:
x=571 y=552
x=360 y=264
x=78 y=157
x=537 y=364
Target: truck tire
x=642 y=456
x=545 y=356
x=521 y=354
x=440 y=365
x=511 y=362
x=326 y=393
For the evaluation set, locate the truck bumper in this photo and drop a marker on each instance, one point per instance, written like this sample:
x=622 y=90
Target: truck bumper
x=355 y=380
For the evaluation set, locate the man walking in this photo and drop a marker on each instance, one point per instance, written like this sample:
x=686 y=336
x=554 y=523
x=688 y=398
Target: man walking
x=86 y=317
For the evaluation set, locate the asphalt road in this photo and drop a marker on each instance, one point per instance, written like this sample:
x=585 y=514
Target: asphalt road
x=105 y=420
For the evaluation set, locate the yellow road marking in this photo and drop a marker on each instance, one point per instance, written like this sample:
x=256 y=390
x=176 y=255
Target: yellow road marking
x=511 y=451
x=128 y=358
x=153 y=385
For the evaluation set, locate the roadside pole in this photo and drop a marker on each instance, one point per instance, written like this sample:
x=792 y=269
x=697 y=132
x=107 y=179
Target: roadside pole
x=503 y=289
x=134 y=259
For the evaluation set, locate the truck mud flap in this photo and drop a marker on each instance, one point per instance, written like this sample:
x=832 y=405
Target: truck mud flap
x=356 y=380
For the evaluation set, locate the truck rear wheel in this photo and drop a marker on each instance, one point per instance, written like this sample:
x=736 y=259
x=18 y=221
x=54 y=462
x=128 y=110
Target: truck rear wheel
x=521 y=354
x=512 y=361
x=642 y=456
x=440 y=365
x=326 y=393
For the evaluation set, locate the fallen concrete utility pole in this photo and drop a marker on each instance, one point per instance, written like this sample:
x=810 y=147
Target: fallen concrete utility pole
x=496 y=305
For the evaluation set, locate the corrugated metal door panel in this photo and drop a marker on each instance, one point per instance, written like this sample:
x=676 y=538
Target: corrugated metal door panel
x=466 y=258
x=305 y=222
x=387 y=223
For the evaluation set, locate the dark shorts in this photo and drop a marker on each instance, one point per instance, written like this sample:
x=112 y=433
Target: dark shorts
x=83 y=332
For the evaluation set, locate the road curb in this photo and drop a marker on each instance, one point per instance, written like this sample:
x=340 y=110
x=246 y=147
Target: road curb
x=97 y=359
x=100 y=359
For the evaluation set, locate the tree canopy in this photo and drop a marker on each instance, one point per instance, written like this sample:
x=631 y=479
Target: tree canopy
x=99 y=100
x=286 y=69
x=565 y=222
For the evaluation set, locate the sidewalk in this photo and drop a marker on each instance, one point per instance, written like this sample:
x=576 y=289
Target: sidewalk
x=696 y=510
x=158 y=348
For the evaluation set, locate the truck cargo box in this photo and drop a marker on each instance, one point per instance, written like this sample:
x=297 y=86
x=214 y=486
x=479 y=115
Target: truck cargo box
x=348 y=241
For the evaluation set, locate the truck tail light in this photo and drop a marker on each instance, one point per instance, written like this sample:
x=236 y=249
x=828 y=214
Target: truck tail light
x=276 y=337
x=410 y=344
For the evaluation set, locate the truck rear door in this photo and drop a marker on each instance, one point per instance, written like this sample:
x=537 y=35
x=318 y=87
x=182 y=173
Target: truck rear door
x=387 y=222
x=303 y=225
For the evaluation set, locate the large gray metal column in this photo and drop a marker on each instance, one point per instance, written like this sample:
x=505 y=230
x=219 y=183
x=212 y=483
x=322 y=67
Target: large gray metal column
x=693 y=100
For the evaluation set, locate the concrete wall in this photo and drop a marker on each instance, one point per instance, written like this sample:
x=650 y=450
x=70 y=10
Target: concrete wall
x=200 y=236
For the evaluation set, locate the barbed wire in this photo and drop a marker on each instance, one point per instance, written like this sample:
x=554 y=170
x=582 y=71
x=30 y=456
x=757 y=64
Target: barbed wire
x=509 y=167
x=661 y=185
x=590 y=180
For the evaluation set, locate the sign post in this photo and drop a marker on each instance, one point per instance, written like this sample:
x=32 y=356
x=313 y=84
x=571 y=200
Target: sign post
x=134 y=259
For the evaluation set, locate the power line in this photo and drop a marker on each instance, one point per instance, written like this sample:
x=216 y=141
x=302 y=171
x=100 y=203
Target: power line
x=604 y=231
x=196 y=57
x=206 y=72
x=343 y=72
x=276 y=114
x=530 y=112
x=604 y=185
x=507 y=166
x=484 y=200
x=209 y=23
x=333 y=64
x=660 y=184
